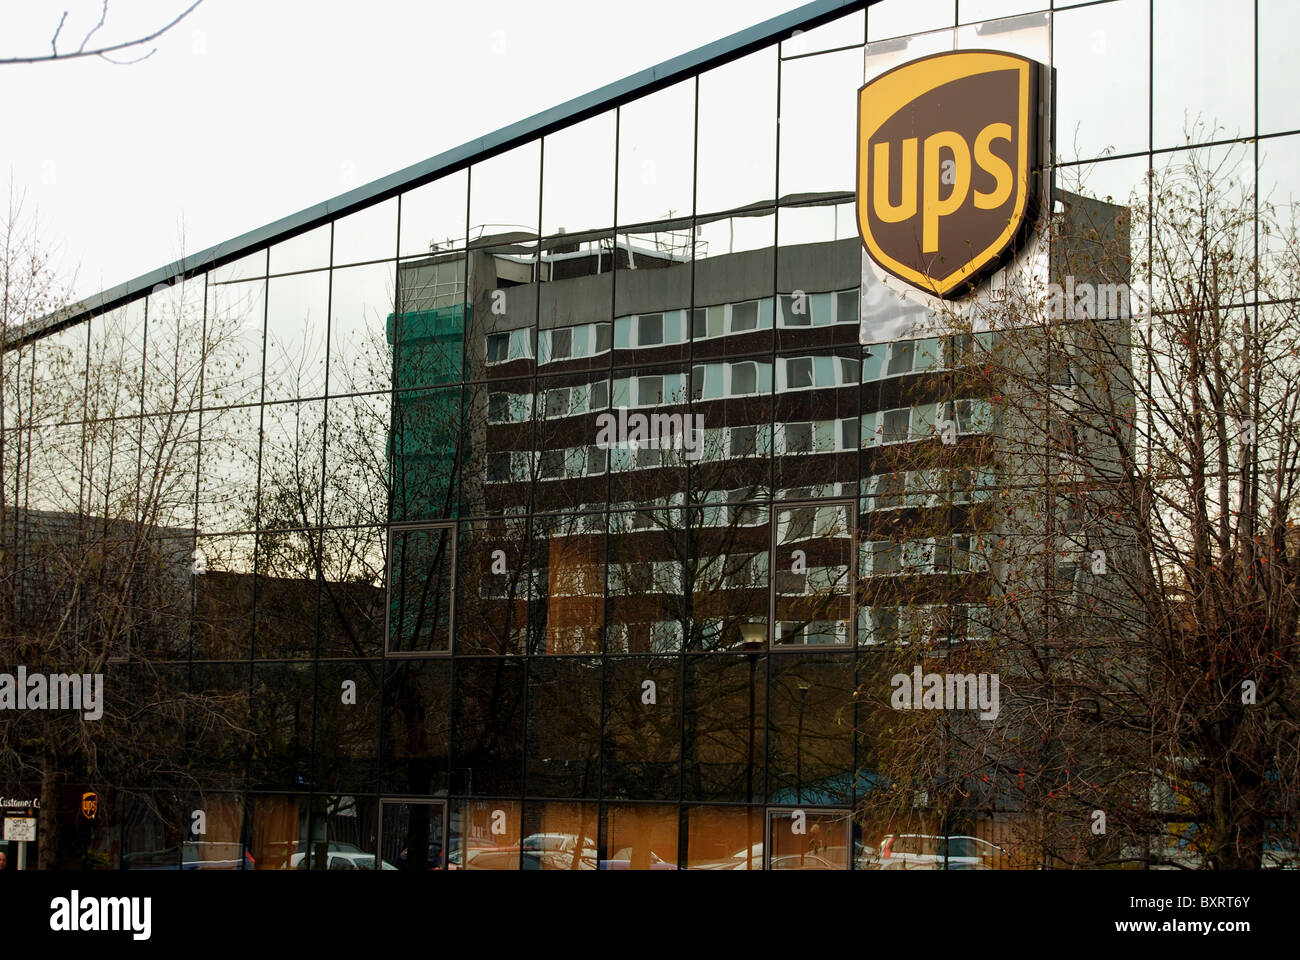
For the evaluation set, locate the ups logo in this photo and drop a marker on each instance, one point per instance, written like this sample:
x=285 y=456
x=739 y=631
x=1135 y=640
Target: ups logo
x=946 y=149
x=89 y=804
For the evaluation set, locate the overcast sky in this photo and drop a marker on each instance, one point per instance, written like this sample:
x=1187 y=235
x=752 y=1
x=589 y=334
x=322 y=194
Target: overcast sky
x=251 y=110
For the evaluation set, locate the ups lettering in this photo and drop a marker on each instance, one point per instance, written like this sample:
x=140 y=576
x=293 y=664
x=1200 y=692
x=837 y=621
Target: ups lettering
x=942 y=177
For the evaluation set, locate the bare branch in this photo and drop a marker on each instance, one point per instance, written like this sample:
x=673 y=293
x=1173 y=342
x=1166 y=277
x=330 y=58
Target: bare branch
x=101 y=52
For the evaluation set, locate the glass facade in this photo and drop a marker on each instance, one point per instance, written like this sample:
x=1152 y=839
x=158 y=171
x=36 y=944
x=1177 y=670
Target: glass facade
x=542 y=516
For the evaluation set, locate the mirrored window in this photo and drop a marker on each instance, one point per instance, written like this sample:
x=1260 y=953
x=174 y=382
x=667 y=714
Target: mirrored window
x=235 y=324
x=363 y=328
x=297 y=317
x=352 y=604
x=284 y=624
x=282 y=715
x=488 y=735
x=724 y=838
x=578 y=177
x=639 y=837
x=416 y=720
x=568 y=583
x=1193 y=104
x=560 y=836
x=730 y=576
x=656 y=167
x=420 y=581
x=368 y=234
x=433 y=216
x=810 y=754
x=1101 y=57
x=724 y=710
x=895 y=18
x=736 y=136
x=845 y=31
x=564 y=727
x=1279 y=47
x=306 y=251
x=347 y=725
x=818 y=147
x=642 y=728
x=485 y=835
x=492 y=586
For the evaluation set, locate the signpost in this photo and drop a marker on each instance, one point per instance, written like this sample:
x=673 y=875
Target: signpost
x=20 y=830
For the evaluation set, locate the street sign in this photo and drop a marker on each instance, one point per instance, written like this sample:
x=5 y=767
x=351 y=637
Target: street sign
x=20 y=828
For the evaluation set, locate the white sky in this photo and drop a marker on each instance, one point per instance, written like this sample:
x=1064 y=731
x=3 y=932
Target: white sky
x=251 y=110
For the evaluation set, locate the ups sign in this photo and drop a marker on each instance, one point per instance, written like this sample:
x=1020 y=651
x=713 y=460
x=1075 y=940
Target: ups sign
x=947 y=147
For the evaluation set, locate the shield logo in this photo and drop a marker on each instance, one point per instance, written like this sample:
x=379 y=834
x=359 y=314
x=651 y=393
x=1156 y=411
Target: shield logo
x=89 y=805
x=947 y=152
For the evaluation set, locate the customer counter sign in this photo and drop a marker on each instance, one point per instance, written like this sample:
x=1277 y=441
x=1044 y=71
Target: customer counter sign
x=948 y=150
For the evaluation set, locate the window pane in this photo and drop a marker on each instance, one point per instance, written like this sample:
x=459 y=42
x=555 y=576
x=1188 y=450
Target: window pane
x=642 y=729
x=347 y=734
x=1100 y=54
x=639 y=837
x=297 y=314
x=655 y=165
x=893 y=18
x=307 y=251
x=1279 y=48
x=361 y=324
x=368 y=234
x=563 y=746
x=725 y=716
x=724 y=838
x=419 y=590
x=433 y=216
x=485 y=835
x=810 y=755
x=737 y=118
x=578 y=177
x=352 y=592
x=818 y=150
x=560 y=836
x=283 y=696
x=236 y=316
x=488 y=735
x=492 y=586
x=1193 y=104
x=568 y=584
x=416 y=726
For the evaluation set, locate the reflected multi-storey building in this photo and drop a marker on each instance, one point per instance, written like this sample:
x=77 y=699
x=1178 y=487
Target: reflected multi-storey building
x=449 y=625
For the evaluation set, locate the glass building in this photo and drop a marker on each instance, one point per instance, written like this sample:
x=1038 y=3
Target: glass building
x=403 y=528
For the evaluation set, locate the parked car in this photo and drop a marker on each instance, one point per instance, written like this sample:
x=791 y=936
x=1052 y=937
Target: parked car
x=342 y=856
x=557 y=851
x=196 y=855
x=434 y=861
x=746 y=858
x=470 y=849
x=801 y=861
x=622 y=860
x=916 y=851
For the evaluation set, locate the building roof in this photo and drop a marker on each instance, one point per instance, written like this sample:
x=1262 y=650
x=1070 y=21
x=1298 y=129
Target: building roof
x=615 y=94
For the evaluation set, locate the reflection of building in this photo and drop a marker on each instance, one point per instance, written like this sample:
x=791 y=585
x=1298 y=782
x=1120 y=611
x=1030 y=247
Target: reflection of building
x=465 y=633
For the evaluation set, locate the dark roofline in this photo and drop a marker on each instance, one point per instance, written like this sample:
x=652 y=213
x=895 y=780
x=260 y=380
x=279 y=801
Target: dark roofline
x=612 y=95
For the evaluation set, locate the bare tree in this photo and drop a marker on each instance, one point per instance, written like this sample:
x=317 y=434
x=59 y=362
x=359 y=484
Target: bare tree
x=97 y=518
x=1132 y=552
x=101 y=51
